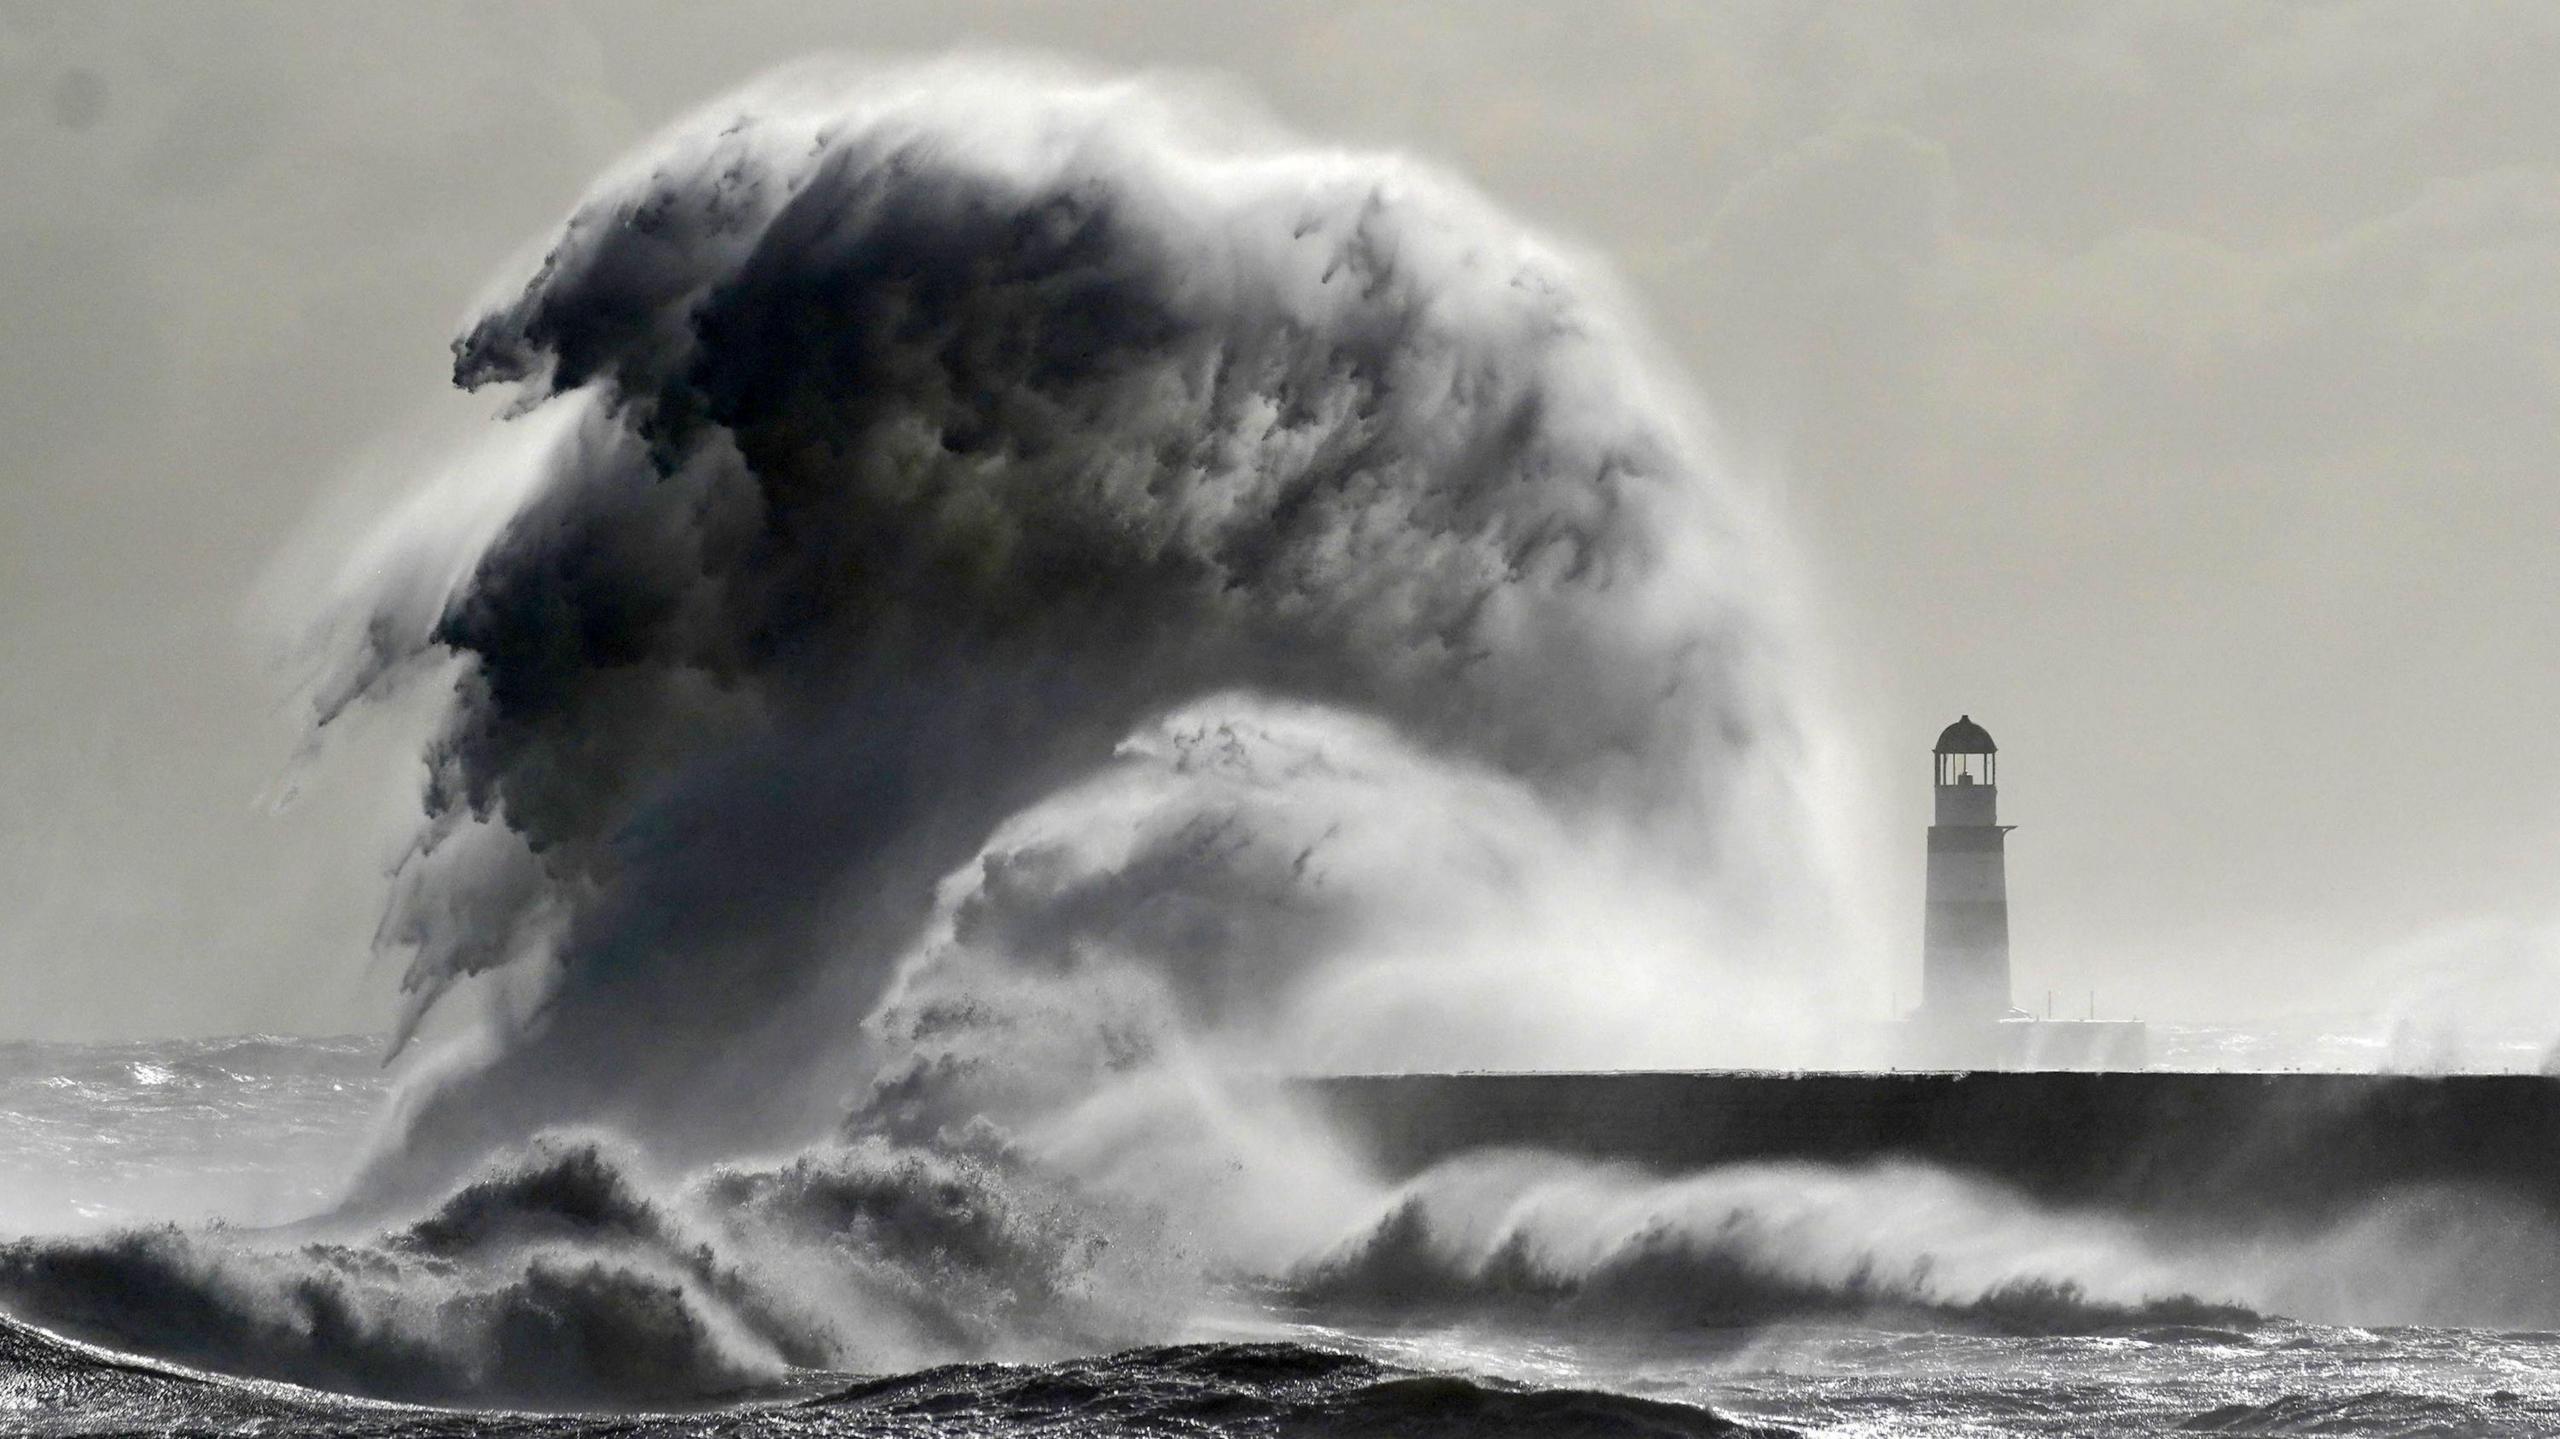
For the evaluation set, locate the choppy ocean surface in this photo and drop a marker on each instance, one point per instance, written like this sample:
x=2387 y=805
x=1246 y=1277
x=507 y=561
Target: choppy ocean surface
x=253 y=1131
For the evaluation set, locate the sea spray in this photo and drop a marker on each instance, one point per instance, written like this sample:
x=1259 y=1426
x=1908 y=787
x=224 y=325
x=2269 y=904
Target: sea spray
x=926 y=441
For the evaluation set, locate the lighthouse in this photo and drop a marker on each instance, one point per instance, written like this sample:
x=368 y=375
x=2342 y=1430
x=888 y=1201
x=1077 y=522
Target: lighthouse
x=1964 y=971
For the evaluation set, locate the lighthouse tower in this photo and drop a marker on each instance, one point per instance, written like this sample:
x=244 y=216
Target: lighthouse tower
x=1964 y=971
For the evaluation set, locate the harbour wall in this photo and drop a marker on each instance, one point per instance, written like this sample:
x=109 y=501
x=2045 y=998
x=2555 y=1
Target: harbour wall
x=2245 y=1146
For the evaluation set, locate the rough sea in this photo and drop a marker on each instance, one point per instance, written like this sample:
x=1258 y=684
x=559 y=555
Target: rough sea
x=992 y=607
x=253 y=1131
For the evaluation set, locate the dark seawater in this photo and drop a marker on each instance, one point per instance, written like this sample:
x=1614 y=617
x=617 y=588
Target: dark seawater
x=52 y=1387
x=109 y=1135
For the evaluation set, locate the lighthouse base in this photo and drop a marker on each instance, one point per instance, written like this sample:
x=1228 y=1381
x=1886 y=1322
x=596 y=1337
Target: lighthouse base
x=1926 y=1042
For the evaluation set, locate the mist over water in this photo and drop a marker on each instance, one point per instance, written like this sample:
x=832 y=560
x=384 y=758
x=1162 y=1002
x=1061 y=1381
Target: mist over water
x=1016 y=610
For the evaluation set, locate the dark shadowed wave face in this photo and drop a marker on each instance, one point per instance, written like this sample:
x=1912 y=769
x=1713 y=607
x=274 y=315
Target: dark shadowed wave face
x=911 y=446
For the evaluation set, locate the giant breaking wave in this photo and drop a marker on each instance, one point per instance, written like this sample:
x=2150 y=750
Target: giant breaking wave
x=1222 y=568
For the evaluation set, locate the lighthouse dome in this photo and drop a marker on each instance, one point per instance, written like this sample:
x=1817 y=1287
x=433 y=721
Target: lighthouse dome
x=1965 y=737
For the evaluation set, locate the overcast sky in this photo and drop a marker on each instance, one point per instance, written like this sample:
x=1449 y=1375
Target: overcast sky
x=2176 y=389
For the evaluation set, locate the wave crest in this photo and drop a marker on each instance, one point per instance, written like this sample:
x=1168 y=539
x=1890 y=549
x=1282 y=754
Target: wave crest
x=1552 y=1241
x=550 y=1279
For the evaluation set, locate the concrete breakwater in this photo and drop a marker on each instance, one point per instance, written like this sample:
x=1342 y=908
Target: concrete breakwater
x=2247 y=1146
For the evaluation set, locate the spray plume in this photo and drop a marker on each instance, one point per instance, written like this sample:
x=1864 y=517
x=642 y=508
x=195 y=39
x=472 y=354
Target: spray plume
x=914 y=449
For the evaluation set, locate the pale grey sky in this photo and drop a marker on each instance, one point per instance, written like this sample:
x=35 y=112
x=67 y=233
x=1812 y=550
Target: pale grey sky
x=2171 y=387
